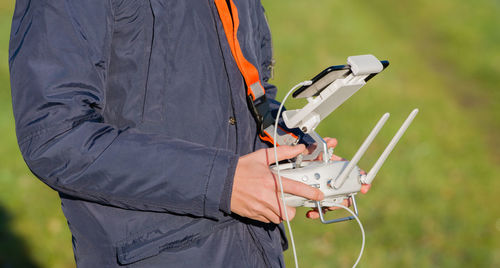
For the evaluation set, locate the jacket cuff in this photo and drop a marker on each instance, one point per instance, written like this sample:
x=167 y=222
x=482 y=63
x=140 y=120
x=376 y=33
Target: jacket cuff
x=225 y=200
x=220 y=184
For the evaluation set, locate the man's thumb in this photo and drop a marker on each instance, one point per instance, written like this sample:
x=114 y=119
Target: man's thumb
x=284 y=152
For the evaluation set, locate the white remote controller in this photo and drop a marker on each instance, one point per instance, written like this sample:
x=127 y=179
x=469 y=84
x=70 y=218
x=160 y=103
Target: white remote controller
x=338 y=180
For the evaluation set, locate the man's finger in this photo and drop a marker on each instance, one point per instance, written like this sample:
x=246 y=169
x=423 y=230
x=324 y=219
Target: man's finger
x=262 y=219
x=302 y=189
x=271 y=216
x=365 y=188
x=274 y=218
x=291 y=213
x=284 y=152
x=312 y=214
x=331 y=142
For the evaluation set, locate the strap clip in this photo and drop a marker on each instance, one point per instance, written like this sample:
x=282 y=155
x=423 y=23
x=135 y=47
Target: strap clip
x=260 y=112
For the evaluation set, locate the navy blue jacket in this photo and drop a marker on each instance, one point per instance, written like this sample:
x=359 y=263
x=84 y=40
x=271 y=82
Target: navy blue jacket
x=135 y=112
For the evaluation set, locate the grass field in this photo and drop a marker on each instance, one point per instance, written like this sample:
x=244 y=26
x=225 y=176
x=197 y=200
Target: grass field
x=436 y=202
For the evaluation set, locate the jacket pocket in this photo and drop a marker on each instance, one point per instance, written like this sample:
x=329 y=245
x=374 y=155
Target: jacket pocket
x=172 y=236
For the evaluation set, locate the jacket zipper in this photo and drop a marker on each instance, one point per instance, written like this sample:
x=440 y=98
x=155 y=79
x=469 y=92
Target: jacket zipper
x=233 y=117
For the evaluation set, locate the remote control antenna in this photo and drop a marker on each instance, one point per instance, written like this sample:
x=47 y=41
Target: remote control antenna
x=361 y=151
x=373 y=172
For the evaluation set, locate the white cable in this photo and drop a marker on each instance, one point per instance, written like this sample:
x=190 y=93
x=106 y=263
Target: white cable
x=305 y=83
x=362 y=232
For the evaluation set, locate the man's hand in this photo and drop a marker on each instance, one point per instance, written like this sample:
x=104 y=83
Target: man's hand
x=332 y=143
x=256 y=189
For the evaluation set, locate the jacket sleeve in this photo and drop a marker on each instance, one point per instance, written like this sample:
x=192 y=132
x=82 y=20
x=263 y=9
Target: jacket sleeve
x=57 y=52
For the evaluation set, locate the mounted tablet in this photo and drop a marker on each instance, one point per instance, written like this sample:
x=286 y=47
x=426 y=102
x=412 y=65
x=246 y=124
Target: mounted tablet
x=322 y=80
x=326 y=77
x=330 y=89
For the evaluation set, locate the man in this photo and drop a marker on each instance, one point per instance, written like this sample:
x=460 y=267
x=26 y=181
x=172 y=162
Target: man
x=136 y=112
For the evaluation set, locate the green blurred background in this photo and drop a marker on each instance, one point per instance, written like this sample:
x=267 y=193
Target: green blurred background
x=436 y=202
